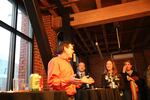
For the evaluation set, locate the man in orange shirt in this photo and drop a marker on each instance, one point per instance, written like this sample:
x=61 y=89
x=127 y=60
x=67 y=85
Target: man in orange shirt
x=60 y=72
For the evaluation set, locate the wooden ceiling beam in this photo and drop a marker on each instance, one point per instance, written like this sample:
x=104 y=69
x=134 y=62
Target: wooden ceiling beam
x=65 y=4
x=85 y=44
x=136 y=33
x=77 y=43
x=46 y=4
x=53 y=12
x=88 y=35
x=110 y=14
x=51 y=8
x=74 y=7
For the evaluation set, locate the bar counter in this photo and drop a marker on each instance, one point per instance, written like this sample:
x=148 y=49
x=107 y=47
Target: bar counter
x=89 y=94
x=99 y=94
x=45 y=95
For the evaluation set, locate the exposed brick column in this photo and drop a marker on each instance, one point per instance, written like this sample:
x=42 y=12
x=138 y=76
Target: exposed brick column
x=38 y=66
x=52 y=36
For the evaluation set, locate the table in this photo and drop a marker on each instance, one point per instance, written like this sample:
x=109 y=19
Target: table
x=98 y=94
x=45 y=95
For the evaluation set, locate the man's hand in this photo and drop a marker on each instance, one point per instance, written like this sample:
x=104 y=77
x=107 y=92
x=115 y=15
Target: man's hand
x=75 y=81
x=91 y=80
x=124 y=69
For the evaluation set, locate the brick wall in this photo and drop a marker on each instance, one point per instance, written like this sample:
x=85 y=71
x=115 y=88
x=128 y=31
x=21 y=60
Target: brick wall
x=22 y=68
x=38 y=66
x=52 y=35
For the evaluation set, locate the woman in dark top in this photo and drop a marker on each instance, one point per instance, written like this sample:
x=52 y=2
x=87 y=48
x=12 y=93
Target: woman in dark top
x=131 y=81
x=110 y=78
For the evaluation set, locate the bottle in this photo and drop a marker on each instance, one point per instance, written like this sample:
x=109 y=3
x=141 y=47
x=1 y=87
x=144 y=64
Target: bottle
x=87 y=85
x=35 y=82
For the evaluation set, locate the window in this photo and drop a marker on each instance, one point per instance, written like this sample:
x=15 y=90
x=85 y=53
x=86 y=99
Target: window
x=4 y=56
x=22 y=59
x=6 y=11
x=23 y=24
x=16 y=53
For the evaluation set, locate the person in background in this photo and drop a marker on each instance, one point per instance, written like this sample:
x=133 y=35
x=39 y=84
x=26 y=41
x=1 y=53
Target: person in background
x=60 y=72
x=110 y=78
x=81 y=72
x=148 y=82
x=132 y=82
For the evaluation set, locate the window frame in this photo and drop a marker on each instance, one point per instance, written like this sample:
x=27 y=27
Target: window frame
x=14 y=33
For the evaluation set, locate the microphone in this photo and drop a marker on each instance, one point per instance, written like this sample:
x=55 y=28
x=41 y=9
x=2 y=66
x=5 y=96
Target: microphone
x=74 y=57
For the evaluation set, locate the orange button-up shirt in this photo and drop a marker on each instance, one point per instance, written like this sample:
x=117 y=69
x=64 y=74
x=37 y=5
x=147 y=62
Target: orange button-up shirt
x=59 y=74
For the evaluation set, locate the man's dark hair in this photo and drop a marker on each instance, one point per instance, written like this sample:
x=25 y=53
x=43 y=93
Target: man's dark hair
x=62 y=45
x=127 y=61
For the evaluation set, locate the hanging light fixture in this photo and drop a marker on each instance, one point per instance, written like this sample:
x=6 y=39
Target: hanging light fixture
x=118 y=40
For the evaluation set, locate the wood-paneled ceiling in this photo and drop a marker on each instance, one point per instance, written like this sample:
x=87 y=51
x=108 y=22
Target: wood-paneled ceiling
x=105 y=26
